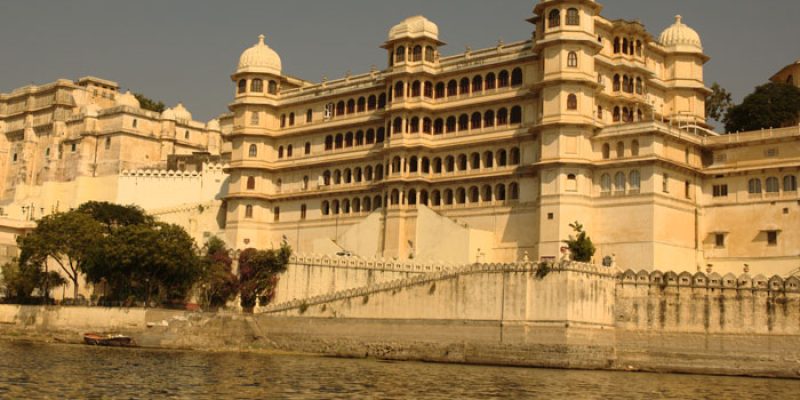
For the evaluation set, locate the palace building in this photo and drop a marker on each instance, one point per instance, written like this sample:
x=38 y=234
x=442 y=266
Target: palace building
x=486 y=155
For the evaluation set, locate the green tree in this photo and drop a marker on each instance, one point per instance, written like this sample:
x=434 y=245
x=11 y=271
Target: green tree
x=258 y=274
x=773 y=105
x=150 y=104
x=580 y=245
x=21 y=280
x=147 y=262
x=218 y=284
x=718 y=103
x=112 y=216
x=69 y=239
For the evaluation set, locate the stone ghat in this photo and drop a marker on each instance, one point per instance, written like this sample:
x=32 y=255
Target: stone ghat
x=438 y=273
x=712 y=280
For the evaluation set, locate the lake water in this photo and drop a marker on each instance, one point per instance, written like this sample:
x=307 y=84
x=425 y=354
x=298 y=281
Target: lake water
x=37 y=371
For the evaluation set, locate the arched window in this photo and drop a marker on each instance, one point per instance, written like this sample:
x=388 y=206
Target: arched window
x=462 y=162
x=413 y=164
x=426 y=165
x=289 y=151
x=397 y=127
x=382 y=101
x=377 y=202
x=463 y=87
x=428 y=89
x=414 y=126
x=605 y=183
x=360 y=138
x=339 y=141
x=380 y=136
x=416 y=89
x=474 y=195
x=638 y=47
x=326 y=178
x=639 y=86
x=429 y=54
x=475 y=163
x=514 y=158
x=426 y=125
x=616 y=45
x=291 y=119
x=437 y=165
x=502 y=116
x=400 y=54
x=329 y=142
x=361 y=104
x=278 y=185
x=351 y=106
x=616 y=83
x=412 y=197
x=572 y=102
x=340 y=108
x=620 y=149
x=606 y=151
x=379 y=172
x=572 y=183
x=619 y=182
x=309 y=116
x=461 y=196
x=452 y=88
x=451 y=124
x=337 y=177
x=280 y=152
x=463 y=122
x=251 y=183
x=516 y=115
x=572 y=59
x=513 y=191
x=257 y=85
x=488 y=160
x=347 y=176
x=449 y=164
x=348 y=139
x=440 y=90
x=554 y=19
x=502 y=79
x=789 y=183
x=488 y=118
x=416 y=54
x=326 y=208
x=438 y=126
x=600 y=112
x=635 y=180
x=516 y=77
x=436 y=198
x=616 y=114
x=502 y=161
x=395 y=197
x=448 y=197
x=754 y=186
x=500 y=192
x=635 y=148
x=366 y=204
x=476 y=121
x=372 y=102
x=368 y=173
x=625 y=45
x=573 y=18
x=253 y=151
x=307 y=148
x=248 y=211
x=772 y=185
x=242 y=86
x=398 y=90
x=305 y=182
x=335 y=207
x=370 y=136
x=491 y=81
x=477 y=84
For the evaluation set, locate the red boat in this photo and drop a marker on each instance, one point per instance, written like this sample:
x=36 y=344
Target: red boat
x=117 y=340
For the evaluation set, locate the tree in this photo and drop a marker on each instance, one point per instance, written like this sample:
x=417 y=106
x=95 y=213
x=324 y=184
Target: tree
x=20 y=280
x=258 y=274
x=112 y=216
x=218 y=283
x=69 y=239
x=718 y=103
x=773 y=105
x=147 y=262
x=150 y=104
x=580 y=246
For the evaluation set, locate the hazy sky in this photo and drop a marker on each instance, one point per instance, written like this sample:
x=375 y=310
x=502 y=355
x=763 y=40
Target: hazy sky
x=182 y=50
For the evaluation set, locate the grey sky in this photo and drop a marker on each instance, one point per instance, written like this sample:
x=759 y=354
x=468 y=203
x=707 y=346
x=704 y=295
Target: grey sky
x=181 y=50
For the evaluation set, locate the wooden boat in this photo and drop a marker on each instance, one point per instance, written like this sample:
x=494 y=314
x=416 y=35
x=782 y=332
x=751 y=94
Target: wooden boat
x=99 y=339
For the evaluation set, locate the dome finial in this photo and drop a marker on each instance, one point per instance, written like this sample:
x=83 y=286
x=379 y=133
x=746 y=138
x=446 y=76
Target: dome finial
x=678 y=19
x=261 y=38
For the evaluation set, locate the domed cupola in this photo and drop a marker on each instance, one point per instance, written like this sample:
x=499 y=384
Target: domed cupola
x=259 y=59
x=681 y=38
x=128 y=99
x=416 y=27
x=182 y=113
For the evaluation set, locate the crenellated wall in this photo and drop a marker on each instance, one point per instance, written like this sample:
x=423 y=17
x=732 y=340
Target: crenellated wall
x=158 y=189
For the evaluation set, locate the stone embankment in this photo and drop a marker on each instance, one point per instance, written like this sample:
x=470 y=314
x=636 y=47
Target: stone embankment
x=565 y=316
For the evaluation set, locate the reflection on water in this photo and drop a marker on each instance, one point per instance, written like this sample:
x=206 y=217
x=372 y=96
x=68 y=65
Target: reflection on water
x=36 y=371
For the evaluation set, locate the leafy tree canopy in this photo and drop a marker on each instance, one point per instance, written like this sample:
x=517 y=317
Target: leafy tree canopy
x=719 y=103
x=21 y=280
x=258 y=274
x=150 y=104
x=773 y=105
x=112 y=216
x=580 y=245
x=218 y=284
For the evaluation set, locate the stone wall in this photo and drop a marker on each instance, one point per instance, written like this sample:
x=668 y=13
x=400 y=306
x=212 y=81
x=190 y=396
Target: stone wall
x=158 y=189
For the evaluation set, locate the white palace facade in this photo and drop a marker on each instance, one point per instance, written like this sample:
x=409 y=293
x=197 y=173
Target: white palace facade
x=487 y=155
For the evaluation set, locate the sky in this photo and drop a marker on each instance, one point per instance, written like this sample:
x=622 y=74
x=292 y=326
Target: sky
x=186 y=50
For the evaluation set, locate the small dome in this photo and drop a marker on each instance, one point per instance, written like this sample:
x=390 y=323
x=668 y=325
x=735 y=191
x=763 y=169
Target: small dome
x=213 y=125
x=182 y=113
x=680 y=37
x=128 y=99
x=168 y=114
x=414 y=28
x=260 y=59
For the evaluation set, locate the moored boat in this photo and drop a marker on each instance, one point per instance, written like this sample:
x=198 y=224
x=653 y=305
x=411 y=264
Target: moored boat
x=99 y=339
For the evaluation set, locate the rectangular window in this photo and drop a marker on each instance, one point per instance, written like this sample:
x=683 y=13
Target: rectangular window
x=720 y=190
x=277 y=214
x=74 y=147
x=303 y=212
x=772 y=238
x=719 y=240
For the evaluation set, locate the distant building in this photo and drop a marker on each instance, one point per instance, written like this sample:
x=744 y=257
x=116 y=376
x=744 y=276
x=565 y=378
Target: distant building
x=789 y=74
